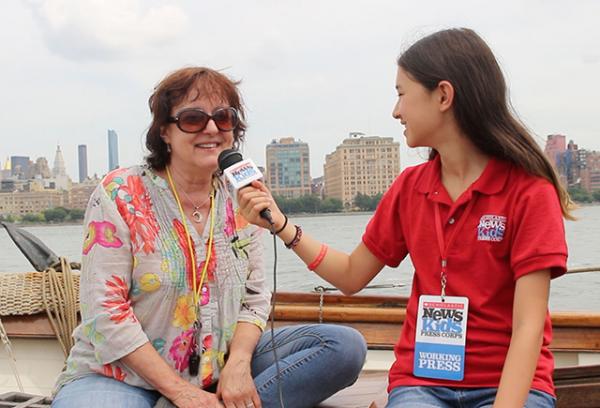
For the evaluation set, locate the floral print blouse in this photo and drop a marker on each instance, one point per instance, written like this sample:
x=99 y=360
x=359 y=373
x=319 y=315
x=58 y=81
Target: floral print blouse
x=137 y=285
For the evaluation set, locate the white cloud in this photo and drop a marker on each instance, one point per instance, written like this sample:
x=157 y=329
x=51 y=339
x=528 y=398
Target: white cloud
x=97 y=29
x=313 y=70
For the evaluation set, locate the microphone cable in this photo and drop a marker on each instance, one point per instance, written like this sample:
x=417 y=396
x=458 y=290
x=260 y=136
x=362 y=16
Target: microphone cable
x=273 y=300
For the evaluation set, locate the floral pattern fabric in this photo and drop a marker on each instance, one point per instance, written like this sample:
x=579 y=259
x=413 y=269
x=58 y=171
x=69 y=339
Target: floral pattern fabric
x=137 y=281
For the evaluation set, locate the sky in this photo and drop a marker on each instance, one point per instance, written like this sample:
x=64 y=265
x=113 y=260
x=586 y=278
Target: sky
x=313 y=70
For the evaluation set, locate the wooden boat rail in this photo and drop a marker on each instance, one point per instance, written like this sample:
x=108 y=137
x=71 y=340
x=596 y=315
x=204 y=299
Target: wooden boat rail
x=380 y=318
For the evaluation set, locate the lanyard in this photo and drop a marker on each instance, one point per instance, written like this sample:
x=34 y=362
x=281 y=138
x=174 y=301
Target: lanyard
x=194 y=357
x=444 y=246
x=196 y=288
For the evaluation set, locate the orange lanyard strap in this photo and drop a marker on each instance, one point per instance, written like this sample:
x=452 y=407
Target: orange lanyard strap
x=192 y=252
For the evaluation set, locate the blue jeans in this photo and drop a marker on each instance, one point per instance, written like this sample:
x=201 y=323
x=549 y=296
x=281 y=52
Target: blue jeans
x=315 y=362
x=96 y=390
x=443 y=397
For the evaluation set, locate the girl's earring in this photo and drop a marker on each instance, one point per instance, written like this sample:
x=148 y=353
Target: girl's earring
x=168 y=148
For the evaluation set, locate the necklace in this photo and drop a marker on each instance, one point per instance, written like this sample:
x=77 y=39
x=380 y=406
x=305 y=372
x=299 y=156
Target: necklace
x=196 y=214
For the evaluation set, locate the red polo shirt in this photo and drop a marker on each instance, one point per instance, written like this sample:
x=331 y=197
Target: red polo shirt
x=514 y=228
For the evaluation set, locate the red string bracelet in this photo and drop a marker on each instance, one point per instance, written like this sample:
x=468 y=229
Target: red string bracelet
x=322 y=252
x=296 y=238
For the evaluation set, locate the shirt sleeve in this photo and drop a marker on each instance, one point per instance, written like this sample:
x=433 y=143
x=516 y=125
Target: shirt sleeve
x=256 y=304
x=538 y=240
x=108 y=318
x=384 y=235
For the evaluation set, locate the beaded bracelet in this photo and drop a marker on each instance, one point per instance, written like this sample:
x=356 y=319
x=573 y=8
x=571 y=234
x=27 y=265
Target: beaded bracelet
x=283 y=227
x=322 y=252
x=296 y=238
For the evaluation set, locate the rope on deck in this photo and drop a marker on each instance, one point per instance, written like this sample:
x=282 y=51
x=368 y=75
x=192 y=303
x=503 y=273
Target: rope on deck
x=11 y=356
x=60 y=301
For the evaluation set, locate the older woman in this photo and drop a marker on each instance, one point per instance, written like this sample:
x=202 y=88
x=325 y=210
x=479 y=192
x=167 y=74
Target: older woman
x=173 y=293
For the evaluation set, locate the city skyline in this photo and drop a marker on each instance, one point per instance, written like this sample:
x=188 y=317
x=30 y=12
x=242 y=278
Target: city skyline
x=360 y=164
x=321 y=161
x=316 y=84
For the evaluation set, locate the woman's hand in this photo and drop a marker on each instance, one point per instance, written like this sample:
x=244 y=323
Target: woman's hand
x=255 y=198
x=190 y=396
x=236 y=387
x=154 y=369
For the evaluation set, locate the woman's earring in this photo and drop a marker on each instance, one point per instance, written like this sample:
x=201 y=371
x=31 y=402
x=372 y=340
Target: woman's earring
x=168 y=148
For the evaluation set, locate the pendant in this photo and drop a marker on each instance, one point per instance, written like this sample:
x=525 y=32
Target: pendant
x=194 y=364
x=194 y=358
x=197 y=216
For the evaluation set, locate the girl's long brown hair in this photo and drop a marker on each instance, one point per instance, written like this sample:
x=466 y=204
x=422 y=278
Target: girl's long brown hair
x=481 y=106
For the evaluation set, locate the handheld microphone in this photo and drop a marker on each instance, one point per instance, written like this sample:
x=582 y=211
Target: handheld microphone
x=241 y=172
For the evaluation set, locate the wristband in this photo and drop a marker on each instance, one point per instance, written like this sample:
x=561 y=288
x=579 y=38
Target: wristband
x=283 y=227
x=317 y=261
x=296 y=238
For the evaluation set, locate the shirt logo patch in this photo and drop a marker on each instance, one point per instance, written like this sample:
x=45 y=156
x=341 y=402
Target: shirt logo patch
x=491 y=228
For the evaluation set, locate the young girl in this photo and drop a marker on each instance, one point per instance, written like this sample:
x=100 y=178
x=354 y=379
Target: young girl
x=482 y=224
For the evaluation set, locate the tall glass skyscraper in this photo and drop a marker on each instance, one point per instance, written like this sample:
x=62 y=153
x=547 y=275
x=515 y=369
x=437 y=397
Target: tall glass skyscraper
x=83 y=167
x=113 y=150
x=19 y=166
x=288 y=167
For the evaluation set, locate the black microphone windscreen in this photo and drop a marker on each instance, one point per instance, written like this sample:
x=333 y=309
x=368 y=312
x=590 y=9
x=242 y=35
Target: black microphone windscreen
x=229 y=157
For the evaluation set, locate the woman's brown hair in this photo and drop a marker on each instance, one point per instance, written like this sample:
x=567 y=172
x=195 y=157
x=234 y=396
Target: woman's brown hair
x=481 y=105
x=172 y=90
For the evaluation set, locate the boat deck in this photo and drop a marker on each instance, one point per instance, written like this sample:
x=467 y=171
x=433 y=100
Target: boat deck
x=369 y=391
x=576 y=387
x=22 y=400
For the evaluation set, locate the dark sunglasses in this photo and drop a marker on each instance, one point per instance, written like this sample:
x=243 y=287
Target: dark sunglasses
x=194 y=120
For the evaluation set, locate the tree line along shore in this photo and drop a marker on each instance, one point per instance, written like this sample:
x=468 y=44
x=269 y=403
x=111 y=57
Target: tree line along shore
x=307 y=204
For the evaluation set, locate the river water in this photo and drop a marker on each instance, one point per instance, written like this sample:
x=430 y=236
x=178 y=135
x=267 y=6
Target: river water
x=343 y=231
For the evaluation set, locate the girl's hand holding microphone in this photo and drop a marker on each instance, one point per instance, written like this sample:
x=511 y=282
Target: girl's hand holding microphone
x=256 y=197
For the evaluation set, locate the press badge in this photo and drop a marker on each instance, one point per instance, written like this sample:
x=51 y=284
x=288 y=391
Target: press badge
x=440 y=337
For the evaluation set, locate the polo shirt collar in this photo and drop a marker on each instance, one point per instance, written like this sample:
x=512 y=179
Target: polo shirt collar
x=491 y=181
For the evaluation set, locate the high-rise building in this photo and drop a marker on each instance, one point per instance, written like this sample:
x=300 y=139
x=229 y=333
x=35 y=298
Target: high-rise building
x=41 y=169
x=59 y=173
x=113 y=150
x=316 y=186
x=59 y=164
x=80 y=193
x=82 y=159
x=361 y=164
x=589 y=172
x=288 y=167
x=555 y=149
x=576 y=167
x=5 y=171
x=574 y=160
x=19 y=166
